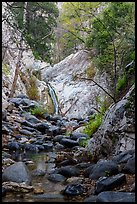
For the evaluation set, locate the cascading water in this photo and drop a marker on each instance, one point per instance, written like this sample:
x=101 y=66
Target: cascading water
x=54 y=98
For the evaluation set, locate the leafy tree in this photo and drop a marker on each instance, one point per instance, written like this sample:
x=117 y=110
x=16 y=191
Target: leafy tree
x=36 y=21
x=31 y=26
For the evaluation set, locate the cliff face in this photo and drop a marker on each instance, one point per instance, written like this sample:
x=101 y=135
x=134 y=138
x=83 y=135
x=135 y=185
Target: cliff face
x=117 y=131
x=76 y=97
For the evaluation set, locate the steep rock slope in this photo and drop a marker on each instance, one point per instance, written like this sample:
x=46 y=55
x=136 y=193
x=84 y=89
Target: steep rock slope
x=77 y=98
x=117 y=131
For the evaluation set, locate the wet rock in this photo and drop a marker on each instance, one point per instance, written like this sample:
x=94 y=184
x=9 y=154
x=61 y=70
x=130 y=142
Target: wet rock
x=70 y=161
x=91 y=198
x=77 y=135
x=112 y=196
x=68 y=171
x=130 y=166
x=74 y=189
x=69 y=143
x=104 y=184
x=48 y=197
x=13 y=145
x=38 y=172
x=56 y=177
x=102 y=167
x=17 y=172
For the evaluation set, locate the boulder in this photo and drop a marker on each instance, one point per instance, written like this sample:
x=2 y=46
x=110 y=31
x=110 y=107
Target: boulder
x=17 y=172
x=113 y=196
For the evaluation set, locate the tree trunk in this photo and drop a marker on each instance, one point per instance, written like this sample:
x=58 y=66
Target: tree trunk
x=17 y=70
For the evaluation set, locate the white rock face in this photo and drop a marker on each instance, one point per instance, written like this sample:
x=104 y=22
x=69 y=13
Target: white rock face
x=80 y=94
x=117 y=131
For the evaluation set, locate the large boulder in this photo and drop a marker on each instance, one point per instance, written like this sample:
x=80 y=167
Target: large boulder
x=117 y=131
x=17 y=172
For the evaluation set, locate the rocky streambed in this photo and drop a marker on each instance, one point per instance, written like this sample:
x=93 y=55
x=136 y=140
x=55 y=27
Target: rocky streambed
x=43 y=161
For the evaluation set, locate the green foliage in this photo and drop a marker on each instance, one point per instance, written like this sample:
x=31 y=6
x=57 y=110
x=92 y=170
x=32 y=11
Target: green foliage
x=90 y=72
x=84 y=142
x=39 y=111
x=92 y=126
x=32 y=89
x=36 y=21
x=95 y=120
x=114 y=26
x=5 y=69
x=121 y=83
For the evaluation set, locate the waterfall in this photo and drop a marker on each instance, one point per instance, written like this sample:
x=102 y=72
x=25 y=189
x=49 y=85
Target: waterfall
x=54 y=98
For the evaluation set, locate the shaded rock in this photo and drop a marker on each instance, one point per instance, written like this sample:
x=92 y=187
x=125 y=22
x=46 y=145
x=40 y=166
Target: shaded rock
x=5 y=130
x=48 y=146
x=112 y=196
x=69 y=143
x=123 y=157
x=32 y=119
x=22 y=96
x=108 y=183
x=59 y=146
x=83 y=165
x=56 y=177
x=70 y=161
x=25 y=132
x=88 y=170
x=16 y=101
x=17 y=172
x=102 y=167
x=31 y=147
x=77 y=135
x=74 y=189
x=13 y=145
x=26 y=123
x=68 y=171
x=57 y=138
x=130 y=166
x=53 y=130
x=42 y=127
x=4 y=115
x=3 y=191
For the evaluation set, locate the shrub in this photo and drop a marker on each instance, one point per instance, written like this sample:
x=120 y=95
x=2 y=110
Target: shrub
x=90 y=72
x=38 y=111
x=92 y=126
x=121 y=83
x=32 y=89
x=5 y=69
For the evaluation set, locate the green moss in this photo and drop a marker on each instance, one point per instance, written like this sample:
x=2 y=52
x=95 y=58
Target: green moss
x=38 y=111
x=121 y=83
x=5 y=69
x=90 y=72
